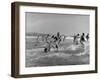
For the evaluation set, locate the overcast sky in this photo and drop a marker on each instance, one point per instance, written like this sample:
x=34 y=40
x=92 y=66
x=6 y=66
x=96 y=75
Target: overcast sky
x=52 y=23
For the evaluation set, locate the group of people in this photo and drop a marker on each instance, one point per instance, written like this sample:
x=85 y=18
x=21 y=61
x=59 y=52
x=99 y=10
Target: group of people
x=52 y=41
x=81 y=38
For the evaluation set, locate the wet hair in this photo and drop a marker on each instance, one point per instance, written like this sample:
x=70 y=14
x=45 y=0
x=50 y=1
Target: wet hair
x=83 y=33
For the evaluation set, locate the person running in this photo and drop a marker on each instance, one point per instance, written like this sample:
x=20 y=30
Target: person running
x=76 y=38
x=56 y=40
x=82 y=39
x=87 y=36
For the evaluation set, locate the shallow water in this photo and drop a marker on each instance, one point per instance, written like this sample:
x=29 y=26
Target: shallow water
x=68 y=54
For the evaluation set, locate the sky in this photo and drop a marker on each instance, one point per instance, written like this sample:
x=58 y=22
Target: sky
x=67 y=24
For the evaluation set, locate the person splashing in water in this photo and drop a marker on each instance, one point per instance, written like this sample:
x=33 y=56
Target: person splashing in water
x=76 y=39
x=82 y=39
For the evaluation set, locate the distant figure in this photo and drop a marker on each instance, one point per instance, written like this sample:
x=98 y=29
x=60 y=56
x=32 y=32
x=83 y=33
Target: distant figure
x=46 y=37
x=82 y=39
x=64 y=37
x=58 y=34
x=87 y=36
